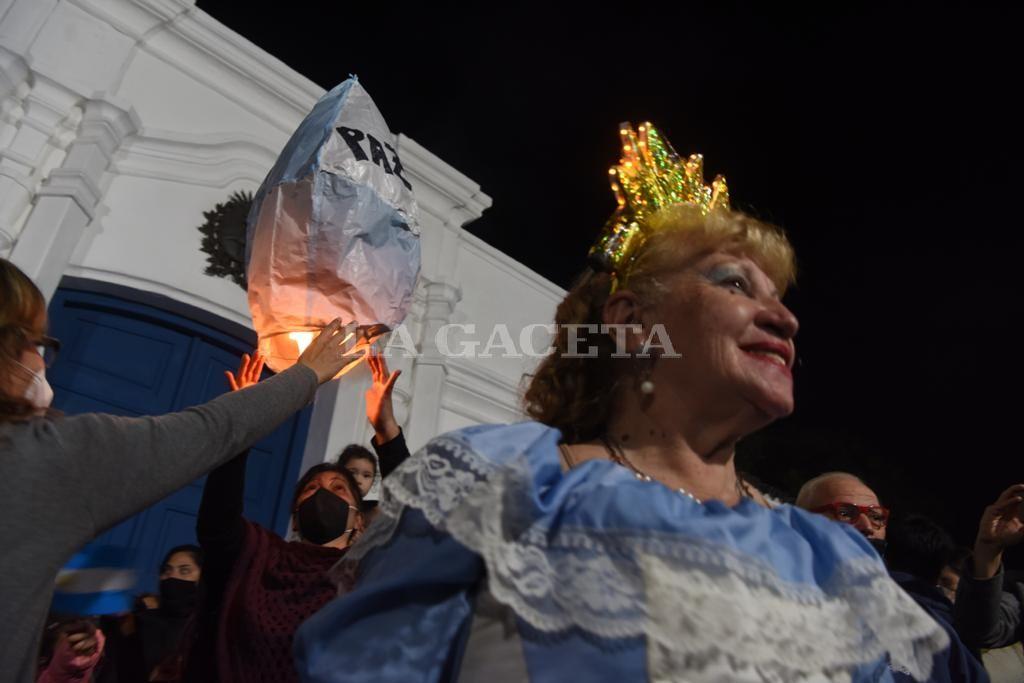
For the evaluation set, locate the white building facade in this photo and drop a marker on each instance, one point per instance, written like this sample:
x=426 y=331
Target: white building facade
x=122 y=121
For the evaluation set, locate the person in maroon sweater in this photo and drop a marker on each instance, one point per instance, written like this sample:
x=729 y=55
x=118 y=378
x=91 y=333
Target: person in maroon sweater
x=258 y=587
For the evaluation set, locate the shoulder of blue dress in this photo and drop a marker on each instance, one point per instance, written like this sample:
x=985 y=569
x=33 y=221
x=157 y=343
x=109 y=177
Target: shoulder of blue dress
x=504 y=443
x=528 y=452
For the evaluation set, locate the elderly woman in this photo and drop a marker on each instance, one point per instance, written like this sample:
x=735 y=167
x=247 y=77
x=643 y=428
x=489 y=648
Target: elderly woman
x=612 y=539
x=65 y=480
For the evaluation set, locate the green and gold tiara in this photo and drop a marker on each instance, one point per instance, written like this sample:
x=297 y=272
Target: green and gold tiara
x=649 y=177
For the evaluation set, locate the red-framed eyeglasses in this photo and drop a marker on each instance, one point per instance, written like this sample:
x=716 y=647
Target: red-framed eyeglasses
x=849 y=512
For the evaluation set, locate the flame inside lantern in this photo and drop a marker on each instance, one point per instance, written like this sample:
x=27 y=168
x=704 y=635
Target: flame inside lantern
x=302 y=340
x=284 y=348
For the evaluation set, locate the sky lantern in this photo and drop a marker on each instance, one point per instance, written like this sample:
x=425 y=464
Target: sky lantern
x=333 y=230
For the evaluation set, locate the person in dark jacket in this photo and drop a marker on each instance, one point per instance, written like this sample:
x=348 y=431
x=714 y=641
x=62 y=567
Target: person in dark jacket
x=917 y=550
x=145 y=644
x=258 y=587
x=988 y=605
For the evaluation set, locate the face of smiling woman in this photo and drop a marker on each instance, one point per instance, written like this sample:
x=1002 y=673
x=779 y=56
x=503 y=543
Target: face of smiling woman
x=734 y=335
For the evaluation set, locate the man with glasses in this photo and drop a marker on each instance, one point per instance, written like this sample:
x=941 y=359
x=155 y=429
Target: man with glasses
x=843 y=497
x=919 y=551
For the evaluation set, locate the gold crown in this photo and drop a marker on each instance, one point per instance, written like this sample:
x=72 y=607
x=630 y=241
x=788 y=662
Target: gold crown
x=650 y=177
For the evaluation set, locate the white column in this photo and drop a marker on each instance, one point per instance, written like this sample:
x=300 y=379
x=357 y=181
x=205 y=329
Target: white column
x=67 y=200
x=429 y=369
x=41 y=123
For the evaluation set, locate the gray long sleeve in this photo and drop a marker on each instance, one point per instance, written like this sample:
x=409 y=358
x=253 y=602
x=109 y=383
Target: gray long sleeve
x=984 y=615
x=65 y=480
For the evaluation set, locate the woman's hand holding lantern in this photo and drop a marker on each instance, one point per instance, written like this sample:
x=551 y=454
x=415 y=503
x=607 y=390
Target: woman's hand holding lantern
x=335 y=350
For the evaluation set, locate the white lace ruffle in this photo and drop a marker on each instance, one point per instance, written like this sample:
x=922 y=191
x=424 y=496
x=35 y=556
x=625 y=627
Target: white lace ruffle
x=707 y=613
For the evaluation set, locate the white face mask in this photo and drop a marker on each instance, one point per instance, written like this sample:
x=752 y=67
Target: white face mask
x=39 y=392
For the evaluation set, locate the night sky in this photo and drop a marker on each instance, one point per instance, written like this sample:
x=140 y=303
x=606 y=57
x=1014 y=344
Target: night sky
x=881 y=139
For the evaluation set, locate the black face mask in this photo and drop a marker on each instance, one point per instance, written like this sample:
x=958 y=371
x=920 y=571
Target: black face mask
x=178 y=597
x=879 y=545
x=323 y=517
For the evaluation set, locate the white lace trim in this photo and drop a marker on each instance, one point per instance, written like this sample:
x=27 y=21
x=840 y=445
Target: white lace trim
x=700 y=606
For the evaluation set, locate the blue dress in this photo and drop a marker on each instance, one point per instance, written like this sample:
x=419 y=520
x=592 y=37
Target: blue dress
x=597 y=576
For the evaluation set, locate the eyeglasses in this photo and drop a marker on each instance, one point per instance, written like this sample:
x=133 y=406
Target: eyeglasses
x=848 y=513
x=47 y=348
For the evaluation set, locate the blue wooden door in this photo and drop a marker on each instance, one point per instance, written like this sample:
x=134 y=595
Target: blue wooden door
x=128 y=358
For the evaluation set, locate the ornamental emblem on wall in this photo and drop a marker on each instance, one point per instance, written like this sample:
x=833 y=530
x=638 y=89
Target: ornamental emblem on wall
x=224 y=237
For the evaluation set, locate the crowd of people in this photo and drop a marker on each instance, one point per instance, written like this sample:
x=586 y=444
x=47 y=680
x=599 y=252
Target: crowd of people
x=610 y=537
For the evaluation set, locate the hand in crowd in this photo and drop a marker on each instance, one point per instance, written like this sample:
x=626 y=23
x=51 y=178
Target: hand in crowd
x=84 y=643
x=77 y=650
x=1000 y=528
x=249 y=371
x=379 y=409
x=335 y=350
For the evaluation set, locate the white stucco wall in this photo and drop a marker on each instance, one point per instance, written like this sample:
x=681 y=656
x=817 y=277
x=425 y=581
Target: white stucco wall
x=121 y=121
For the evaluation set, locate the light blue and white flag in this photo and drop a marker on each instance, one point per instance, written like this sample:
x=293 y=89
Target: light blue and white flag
x=99 y=579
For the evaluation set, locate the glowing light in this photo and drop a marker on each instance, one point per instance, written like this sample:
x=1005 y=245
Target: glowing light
x=302 y=339
x=649 y=177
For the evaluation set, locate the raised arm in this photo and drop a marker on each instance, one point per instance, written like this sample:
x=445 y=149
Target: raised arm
x=388 y=440
x=984 y=615
x=122 y=465
x=220 y=526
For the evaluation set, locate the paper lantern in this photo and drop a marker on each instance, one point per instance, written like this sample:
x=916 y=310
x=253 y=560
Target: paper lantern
x=333 y=230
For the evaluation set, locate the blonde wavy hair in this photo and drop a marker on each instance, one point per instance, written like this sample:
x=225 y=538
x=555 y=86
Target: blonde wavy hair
x=576 y=395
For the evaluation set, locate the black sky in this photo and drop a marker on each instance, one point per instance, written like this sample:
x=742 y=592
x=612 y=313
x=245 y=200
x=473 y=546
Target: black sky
x=884 y=140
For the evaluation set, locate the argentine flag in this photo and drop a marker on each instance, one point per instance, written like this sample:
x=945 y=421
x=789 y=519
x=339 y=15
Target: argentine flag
x=99 y=579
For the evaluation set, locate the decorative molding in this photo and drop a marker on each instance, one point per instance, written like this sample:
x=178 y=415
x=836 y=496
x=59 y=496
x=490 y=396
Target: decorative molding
x=440 y=299
x=135 y=18
x=76 y=184
x=208 y=160
x=107 y=123
x=103 y=128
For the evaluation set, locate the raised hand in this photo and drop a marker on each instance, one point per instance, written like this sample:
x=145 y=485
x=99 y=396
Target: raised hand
x=334 y=351
x=249 y=371
x=379 y=409
x=1000 y=528
x=84 y=643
